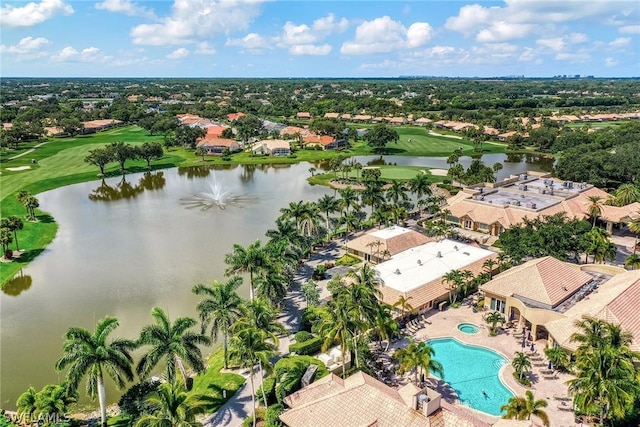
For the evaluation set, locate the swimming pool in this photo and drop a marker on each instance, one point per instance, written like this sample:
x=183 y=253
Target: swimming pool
x=472 y=371
x=468 y=328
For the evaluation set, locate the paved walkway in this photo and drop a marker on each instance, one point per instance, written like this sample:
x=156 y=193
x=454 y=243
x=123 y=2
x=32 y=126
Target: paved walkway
x=240 y=406
x=31 y=150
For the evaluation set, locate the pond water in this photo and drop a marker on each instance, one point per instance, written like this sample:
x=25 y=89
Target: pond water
x=127 y=245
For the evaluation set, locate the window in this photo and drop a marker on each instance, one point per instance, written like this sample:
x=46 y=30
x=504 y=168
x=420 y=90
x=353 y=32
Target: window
x=498 y=305
x=468 y=224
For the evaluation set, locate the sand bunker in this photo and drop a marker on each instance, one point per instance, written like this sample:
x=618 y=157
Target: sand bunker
x=438 y=172
x=19 y=168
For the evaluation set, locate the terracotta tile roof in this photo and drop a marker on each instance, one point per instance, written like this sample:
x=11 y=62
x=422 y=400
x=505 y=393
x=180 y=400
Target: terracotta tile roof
x=359 y=400
x=319 y=139
x=292 y=130
x=303 y=115
x=101 y=123
x=619 y=213
x=546 y=280
x=394 y=245
x=423 y=120
x=216 y=130
x=235 y=116
x=331 y=115
x=624 y=310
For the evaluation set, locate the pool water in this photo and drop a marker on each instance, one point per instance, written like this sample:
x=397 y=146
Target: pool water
x=468 y=328
x=472 y=372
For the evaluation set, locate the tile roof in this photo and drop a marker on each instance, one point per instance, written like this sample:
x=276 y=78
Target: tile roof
x=216 y=142
x=359 y=400
x=216 y=130
x=395 y=244
x=235 y=116
x=319 y=139
x=545 y=280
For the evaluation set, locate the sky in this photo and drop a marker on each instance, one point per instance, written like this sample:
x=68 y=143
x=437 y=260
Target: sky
x=300 y=38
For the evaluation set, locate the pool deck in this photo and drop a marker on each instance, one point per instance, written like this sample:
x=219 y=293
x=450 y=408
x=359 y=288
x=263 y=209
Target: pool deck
x=445 y=324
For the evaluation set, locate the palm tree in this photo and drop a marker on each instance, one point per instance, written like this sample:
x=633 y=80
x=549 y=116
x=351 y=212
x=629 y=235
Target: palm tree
x=350 y=222
x=522 y=408
x=405 y=306
x=626 y=194
x=31 y=203
x=173 y=406
x=249 y=346
x=632 y=261
x=220 y=309
x=337 y=325
x=595 y=208
x=328 y=205
x=26 y=404
x=53 y=400
x=372 y=195
x=420 y=186
x=605 y=374
x=497 y=167
x=490 y=265
x=273 y=287
x=385 y=325
x=453 y=280
x=175 y=343
x=396 y=192
x=311 y=293
x=13 y=223
x=348 y=198
x=558 y=357
x=494 y=318
x=634 y=227
x=418 y=356
x=253 y=260
x=521 y=364
x=90 y=354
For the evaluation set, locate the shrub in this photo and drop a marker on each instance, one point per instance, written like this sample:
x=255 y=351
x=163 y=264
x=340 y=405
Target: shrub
x=309 y=347
x=271 y=417
x=319 y=272
x=303 y=336
x=269 y=385
x=8 y=254
x=310 y=317
x=524 y=380
x=133 y=402
x=347 y=260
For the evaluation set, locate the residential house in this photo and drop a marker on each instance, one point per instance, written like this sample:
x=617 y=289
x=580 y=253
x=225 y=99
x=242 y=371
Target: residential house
x=378 y=245
x=303 y=115
x=272 y=147
x=94 y=126
x=218 y=146
x=331 y=115
x=423 y=121
x=232 y=117
x=327 y=142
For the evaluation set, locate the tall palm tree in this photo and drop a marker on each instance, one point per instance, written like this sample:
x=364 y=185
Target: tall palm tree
x=404 y=305
x=348 y=199
x=396 y=192
x=418 y=356
x=372 y=195
x=220 y=308
x=490 y=265
x=522 y=408
x=249 y=346
x=91 y=355
x=253 y=260
x=521 y=364
x=173 y=407
x=453 y=279
x=338 y=325
x=420 y=186
x=173 y=342
x=605 y=374
x=595 y=207
x=273 y=287
x=497 y=167
x=328 y=205
x=385 y=325
x=13 y=223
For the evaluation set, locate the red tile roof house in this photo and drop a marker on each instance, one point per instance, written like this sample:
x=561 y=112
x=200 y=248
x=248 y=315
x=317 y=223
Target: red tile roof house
x=94 y=126
x=235 y=116
x=218 y=146
x=325 y=141
x=216 y=131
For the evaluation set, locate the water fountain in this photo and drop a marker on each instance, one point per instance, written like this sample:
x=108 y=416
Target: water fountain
x=218 y=197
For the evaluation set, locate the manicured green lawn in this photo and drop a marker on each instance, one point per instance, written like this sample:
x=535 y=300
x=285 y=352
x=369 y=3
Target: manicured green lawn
x=387 y=173
x=212 y=383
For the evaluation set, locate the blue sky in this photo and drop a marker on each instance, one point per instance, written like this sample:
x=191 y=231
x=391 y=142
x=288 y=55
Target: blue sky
x=257 y=38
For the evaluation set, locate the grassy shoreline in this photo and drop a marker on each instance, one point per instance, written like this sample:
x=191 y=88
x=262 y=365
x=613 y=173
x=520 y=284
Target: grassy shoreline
x=60 y=162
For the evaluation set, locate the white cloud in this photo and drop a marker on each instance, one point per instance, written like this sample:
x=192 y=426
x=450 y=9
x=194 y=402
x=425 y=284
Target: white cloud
x=178 y=54
x=555 y=44
x=528 y=54
x=629 y=29
x=470 y=18
x=503 y=31
x=386 y=64
x=126 y=7
x=620 y=42
x=304 y=34
x=65 y=54
x=610 y=62
x=204 y=48
x=310 y=49
x=577 y=38
x=385 y=35
x=193 y=21
x=33 y=13
x=27 y=45
x=250 y=41
x=573 y=57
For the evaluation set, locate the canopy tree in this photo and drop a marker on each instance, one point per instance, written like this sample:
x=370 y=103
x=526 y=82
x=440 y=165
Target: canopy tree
x=379 y=136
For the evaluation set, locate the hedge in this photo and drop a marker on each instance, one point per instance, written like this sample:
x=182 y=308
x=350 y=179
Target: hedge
x=308 y=348
x=303 y=336
x=269 y=385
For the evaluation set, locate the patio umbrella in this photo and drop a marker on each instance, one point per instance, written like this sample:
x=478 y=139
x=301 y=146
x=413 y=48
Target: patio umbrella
x=529 y=337
x=524 y=344
x=550 y=365
x=532 y=348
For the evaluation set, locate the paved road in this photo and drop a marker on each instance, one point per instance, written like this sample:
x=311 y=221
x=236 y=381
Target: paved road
x=240 y=406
